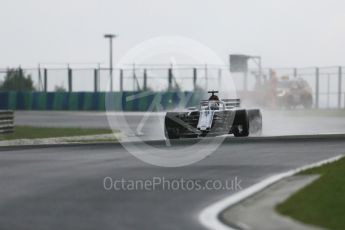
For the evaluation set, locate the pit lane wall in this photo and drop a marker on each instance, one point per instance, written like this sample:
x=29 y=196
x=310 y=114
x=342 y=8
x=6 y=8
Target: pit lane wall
x=95 y=101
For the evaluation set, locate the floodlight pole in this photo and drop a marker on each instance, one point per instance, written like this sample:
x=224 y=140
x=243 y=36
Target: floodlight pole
x=110 y=37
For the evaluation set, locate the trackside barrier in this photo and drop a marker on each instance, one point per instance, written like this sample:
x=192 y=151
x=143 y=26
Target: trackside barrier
x=6 y=121
x=95 y=101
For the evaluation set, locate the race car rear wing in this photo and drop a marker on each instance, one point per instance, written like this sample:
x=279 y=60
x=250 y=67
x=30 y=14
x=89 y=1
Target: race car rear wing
x=230 y=103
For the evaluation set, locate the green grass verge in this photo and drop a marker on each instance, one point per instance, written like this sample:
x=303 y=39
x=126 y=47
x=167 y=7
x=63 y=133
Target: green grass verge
x=321 y=203
x=28 y=132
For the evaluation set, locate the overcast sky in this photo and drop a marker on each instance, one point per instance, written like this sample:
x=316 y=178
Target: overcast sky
x=284 y=32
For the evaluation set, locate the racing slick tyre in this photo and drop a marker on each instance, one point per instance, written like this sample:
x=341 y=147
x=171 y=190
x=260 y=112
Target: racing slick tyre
x=307 y=101
x=241 y=124
x=171 y=127
x=172 y=133
x=255 y=121
x=203 y=134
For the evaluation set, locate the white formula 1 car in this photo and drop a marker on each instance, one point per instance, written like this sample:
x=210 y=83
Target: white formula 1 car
x=213 y=117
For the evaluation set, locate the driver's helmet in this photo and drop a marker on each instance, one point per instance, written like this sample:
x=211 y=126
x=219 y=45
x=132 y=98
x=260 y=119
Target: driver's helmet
x=213 y=98
x=214 y=105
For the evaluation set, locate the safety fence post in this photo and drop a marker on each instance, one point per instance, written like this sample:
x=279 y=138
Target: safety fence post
x=170 y=77
x=69 y=80
x=195 y=73
x=121 y=80
x=145 y=80
x=45 y=79
x=317 y=79
x=95 y=80
x=339 y=86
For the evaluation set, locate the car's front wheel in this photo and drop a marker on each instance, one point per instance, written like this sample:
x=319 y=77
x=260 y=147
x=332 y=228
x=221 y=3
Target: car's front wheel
x=172 y=133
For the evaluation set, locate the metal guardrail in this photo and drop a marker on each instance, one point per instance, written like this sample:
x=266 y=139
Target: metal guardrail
x=6 y=121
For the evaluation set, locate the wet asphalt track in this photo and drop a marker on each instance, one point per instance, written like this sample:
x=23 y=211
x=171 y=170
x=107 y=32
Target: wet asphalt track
x=274 y=122
x=61 y=187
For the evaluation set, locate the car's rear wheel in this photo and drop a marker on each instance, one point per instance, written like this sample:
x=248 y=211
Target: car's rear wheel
x=241 y=128
x=255 y=121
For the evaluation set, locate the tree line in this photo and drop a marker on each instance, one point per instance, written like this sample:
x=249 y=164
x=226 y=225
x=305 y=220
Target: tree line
x=17 y=80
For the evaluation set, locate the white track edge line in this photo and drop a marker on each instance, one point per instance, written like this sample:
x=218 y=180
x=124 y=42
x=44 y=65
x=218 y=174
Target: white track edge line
x=209 y=217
